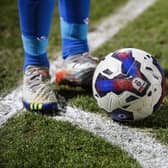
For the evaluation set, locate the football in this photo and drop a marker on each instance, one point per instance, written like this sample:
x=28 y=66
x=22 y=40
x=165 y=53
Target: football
x=129 y=84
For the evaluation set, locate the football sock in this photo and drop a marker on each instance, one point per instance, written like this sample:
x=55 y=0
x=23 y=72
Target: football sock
x=74 y=26
x=35 y=21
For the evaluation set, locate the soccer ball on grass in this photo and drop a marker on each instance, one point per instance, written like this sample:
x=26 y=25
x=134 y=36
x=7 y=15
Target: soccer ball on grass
x=129 y=84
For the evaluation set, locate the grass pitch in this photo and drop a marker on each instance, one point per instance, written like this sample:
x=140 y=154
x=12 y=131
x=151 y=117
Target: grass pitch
x=36 y=141
x=31 y=140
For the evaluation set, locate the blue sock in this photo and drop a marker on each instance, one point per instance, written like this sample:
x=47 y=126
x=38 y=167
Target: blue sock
x=35 y=21
x=74 y=26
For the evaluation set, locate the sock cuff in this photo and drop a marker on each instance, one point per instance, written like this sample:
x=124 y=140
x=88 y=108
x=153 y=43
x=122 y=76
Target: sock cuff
x=73 y=31
x=73 y=47
x=35 y=45
x=41 y=60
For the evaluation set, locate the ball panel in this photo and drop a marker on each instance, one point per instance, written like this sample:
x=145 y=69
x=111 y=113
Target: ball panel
x=163 y=84
x=111 y=104
x=121 y=115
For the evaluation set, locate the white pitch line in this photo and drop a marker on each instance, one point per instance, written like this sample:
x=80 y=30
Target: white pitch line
x=10 y=105
x=115 y=22
x=145 y=149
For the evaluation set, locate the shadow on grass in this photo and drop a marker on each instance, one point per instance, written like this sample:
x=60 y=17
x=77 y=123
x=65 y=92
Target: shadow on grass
x=63 y=95
x=166 y=73
x=70 y=92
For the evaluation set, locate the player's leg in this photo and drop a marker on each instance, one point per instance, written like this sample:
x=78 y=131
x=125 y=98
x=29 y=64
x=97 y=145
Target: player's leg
x=78 y=66
x=35 y=20
x=74 y=26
